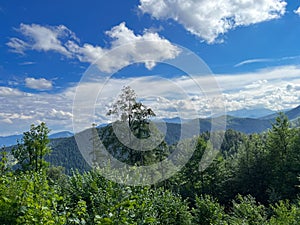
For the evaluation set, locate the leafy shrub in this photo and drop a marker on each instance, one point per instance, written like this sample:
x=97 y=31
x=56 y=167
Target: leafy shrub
x=208 y=211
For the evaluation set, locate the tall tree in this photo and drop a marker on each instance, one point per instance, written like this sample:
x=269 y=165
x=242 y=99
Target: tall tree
x=279 y=146
x=122 y=107
x=128 y=109
x=251 y=172
x=31 y=152
x=137 y=115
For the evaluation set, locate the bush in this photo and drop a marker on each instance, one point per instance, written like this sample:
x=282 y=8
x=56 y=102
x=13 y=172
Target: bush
x=285 y=213
x=208 y=211
x=245 y=210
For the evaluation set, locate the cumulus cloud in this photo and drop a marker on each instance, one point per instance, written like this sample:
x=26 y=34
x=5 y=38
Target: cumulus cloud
x=127 y=46
x=42 y=38
x=54 y=114
x=180 y=96
x=40 y=84
x=273 y=88
x=21 y=109
x=209 y=19
x=9 y=92
x=267 y=88
x=297 y=11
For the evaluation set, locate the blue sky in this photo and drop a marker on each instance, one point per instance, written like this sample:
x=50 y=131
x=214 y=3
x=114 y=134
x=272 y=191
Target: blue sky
x=47 y=47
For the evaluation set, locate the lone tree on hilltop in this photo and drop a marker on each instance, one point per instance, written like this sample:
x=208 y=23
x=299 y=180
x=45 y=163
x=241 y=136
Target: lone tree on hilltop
x=128 y=109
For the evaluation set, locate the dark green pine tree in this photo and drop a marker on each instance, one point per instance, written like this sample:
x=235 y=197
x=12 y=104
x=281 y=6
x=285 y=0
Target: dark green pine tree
x=282 y=179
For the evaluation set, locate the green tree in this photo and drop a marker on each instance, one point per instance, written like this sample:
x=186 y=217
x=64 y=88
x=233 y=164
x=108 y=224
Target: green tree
x=122 y=107
x=246 y=211
x=231 y=142
x=135 y=113
x=31 y=152
x=137 y=116
x=107 y=202
x=208 y=211
x=27 y=198
x=3 y=161
x=282 y=180
x=251 y=171
x=285 y=213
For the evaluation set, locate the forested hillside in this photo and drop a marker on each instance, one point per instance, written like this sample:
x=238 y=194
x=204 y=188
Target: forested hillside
x=253 y=180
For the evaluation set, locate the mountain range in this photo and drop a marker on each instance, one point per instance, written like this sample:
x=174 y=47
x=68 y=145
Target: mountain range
x=244 y=120
x=251 y=113
x=65 y=151
x=12 y=139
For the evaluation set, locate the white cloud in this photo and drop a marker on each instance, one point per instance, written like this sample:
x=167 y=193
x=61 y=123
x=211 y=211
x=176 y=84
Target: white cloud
x=17 y=45
x=58 y=115
x=284 y=59
x=21 y=109
x=6 y=91
x=250 y=61
x=179 y=96
x=297 y=11
x=27 y=63
x=209 y=19
x=273 y=88
x=127 y=46
x=40 y=84
x=42 y=38
x=6 y=120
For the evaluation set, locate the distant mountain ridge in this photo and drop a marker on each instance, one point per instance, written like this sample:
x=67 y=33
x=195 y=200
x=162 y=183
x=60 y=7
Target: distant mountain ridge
x=61 y=134
x=244 y=120
x=12 y=139
x=65 y=151
x=291 y=114
x=251 y=113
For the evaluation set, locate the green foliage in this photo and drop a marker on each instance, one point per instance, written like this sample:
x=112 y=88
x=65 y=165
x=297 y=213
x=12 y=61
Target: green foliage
x=251 y=174
x=65 y=153
x=111 y=203
x=122 y=107
x=78 y=214
x=126 y=154
x=265 y=166
x=29 y=199
x=193 y=180
x=208 y=211
x=246 y=211
x=285 y=213
x=170 y=208
x=137 y=116
x=56 y=175
x=8 y=199
x=283 y=160
x=128 y=109
x=3 y=161
x=231 y=142
x=34 y=147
